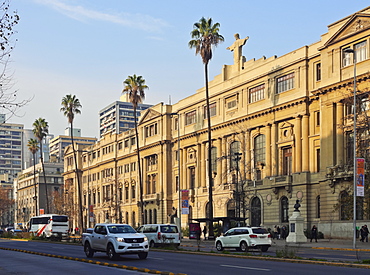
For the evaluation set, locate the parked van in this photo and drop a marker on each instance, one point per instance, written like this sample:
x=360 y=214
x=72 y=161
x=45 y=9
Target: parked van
x=161 y=234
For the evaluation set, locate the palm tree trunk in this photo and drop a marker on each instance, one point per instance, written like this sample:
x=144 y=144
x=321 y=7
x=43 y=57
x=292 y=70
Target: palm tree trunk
x=139 y=170
x=43 y=172
x=209 y=163
x=78 y=183
x=34 y=182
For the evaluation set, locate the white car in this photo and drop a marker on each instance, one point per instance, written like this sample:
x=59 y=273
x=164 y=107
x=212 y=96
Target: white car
x=244 y=238
x=161 y=234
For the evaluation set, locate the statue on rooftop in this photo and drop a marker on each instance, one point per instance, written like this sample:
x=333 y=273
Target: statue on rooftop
x=236 y=47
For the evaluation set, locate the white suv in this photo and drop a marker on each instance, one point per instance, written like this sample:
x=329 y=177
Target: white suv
x=161 y=234
x=244 y=238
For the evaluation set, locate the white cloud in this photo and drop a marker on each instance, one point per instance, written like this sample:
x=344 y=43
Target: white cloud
x=80 y=13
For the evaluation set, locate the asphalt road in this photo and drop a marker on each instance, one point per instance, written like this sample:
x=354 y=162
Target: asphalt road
x=12 y=262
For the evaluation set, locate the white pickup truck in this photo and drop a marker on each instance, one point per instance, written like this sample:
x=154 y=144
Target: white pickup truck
x=115 y=240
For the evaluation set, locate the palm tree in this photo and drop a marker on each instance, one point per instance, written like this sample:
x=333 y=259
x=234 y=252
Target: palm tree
x=205 y=36
x=134 y=86
x=70 y=107
x=34 y=147
x=40 y=130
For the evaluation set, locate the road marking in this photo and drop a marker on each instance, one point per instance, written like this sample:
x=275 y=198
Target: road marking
x=161 y=259
x=245 y=267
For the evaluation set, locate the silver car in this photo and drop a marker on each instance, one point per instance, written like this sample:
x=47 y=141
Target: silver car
x=244 y=238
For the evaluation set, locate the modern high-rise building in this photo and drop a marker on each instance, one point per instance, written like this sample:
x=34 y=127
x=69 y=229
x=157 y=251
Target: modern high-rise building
x=59 y=143
x=119 y=116
x=11 y=139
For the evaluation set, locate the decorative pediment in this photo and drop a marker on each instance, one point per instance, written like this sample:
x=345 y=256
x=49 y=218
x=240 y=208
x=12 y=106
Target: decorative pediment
x=357 y=23
x=148 y=115
x=286 y=131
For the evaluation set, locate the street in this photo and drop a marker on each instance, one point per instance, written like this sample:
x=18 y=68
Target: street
x=176 y=262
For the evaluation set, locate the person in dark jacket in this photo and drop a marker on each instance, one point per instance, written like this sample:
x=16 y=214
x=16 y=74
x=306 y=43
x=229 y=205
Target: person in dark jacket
x=365 y=232
x=314 y=233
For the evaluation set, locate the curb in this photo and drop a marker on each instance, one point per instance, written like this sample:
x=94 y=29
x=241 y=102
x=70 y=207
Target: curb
x=139 y=269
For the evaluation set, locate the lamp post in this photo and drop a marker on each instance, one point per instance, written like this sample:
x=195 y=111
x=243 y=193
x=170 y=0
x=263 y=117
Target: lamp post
x=351 y=51
x=178 y=169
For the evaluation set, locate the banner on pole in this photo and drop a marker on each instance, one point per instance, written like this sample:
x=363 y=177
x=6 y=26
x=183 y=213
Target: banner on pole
x=185 y=201
x=360 y=173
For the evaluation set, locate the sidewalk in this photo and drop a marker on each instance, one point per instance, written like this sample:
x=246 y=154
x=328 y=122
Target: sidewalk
x=333 y=244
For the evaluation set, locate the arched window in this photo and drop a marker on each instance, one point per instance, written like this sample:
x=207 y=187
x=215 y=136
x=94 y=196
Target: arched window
x=133 y=219
x=255 y=212
x=234 y=148
x=154 y=183
x=126 y=218
x=214 y=159
x=284 y=209
x=155 y=216
x=150 y=216
x=259 y=155
x=145 y=216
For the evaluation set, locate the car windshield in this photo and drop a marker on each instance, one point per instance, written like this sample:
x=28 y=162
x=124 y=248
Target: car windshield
x=118 y=229
x=259 y=230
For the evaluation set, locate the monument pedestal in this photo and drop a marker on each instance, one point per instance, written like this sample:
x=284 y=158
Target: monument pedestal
x=296 y=234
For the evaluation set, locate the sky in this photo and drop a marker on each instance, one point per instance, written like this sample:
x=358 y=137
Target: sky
x=88 y=48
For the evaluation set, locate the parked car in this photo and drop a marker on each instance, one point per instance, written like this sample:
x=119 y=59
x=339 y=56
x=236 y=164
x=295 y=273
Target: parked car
x=161 y=234
x=244 y=238
x=15 y=232
x=115 y=240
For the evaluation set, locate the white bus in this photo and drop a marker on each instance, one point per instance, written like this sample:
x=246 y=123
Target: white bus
x=49 y=225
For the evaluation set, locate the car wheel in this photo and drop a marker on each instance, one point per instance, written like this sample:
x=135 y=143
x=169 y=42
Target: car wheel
x=264 y=248
x=152 y=244
x=88 y=251
x=143 y=255
x=244 y=246
x=219 y=246
x=112 y=255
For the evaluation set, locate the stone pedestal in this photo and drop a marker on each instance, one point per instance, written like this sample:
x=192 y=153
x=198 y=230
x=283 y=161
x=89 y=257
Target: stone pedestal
x=296 y=234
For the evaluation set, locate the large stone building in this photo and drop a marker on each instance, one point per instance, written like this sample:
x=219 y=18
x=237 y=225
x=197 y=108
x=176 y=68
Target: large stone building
x=281 y=131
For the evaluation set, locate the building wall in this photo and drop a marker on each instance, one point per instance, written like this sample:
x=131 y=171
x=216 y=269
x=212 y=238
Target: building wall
x=285 y=115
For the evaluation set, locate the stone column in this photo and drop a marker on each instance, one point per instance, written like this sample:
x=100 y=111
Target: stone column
x=219 y=161
x=340 y=134
x=298 y=146
x=268 y=151
x=274 y=156
x=248 y=154
x=305 y=144
x=203 y=158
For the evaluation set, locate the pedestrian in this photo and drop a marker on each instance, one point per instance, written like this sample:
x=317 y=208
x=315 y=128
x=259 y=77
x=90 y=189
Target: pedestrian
x=205 y=232
x=366 y=233
x=76 y=231
x=283 y=232
x=278 y=232
x=362 y=233
x=275 y=235
x=314 y=233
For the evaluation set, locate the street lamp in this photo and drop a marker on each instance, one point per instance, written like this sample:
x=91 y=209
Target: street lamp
x=178 y=168
x=351 y=51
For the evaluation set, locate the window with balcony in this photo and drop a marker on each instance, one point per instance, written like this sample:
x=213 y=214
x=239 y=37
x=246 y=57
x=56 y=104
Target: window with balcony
x=287 y=160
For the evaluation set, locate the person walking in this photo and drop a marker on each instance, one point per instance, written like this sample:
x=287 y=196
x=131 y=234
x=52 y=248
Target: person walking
x=366 y=233
x=275 y=235
x=362 y=234
x=205 y=232
x=314 y=233
x=283 y=232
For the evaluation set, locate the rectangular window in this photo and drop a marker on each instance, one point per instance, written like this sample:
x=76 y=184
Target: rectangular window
x=212 y=110
x=133 y=140
x=151 y=130
x=360 y=50
x=190 y=117
x=231 y=104
x=192 y=177
x=346 y=58
x=126 y=143
x=257 y=93
x=287 y=161
x=318 y=71
x=285 y=83
x=317 y=160
x=317 y=118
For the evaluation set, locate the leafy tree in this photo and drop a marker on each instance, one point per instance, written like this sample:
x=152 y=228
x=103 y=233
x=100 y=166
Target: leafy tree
x=8 y=97
x=205 y=35
x=70 y=107
x=5 y=202
x=40 y=130
x=345 y=201
x=134 y=86
x=34 y=147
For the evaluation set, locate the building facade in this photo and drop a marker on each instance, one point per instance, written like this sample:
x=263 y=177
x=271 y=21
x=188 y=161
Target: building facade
x=119 y=116
x=32 y=191
x=281 y=131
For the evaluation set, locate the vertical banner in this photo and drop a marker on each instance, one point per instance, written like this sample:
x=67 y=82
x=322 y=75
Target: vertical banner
x=91 y=213
x=42 y=212
x=360 y=190
x=185 y=201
